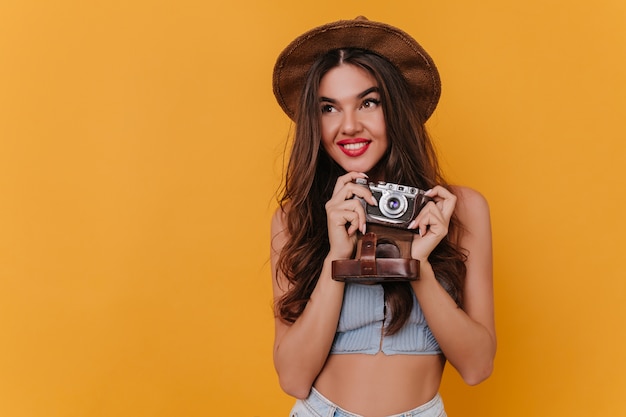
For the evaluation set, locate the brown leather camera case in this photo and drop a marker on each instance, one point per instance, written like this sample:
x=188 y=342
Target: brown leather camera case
x=383 y=255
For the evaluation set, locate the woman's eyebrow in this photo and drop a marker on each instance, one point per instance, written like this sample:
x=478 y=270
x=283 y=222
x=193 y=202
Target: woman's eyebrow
x=369 y=90
x=360 y=95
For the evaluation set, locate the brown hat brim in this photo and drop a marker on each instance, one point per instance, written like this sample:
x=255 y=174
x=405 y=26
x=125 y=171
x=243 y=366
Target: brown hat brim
x=397 y=46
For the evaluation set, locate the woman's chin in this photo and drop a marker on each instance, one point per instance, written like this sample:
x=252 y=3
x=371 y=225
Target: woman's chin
x=365 y=168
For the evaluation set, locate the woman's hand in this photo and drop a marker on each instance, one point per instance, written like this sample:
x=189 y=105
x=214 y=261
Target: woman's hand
x=432 y=222
x=346 y=215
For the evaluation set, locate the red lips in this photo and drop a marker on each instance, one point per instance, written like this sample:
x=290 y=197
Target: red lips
x=354 y=147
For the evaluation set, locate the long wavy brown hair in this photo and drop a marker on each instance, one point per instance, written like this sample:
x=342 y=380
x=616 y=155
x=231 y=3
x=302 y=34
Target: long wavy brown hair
x=311 y=175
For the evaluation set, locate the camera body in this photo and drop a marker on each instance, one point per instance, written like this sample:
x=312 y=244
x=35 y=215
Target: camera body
x=397 y=205
x=383 y=254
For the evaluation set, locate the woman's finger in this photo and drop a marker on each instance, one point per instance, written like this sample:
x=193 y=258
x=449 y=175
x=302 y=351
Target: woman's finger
x=431 y=219
x=444 y=199
x=348 y=211
x=346 y=179
x=346 y=188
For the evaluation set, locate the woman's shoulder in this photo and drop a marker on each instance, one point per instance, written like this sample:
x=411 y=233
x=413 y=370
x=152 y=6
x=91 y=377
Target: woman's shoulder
x=468 y=195
x=279 y=218
x=278 y=228
x=471 y=205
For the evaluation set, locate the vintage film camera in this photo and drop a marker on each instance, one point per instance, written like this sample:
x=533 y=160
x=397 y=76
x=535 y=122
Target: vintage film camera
x=383 y=254
x=397 y=205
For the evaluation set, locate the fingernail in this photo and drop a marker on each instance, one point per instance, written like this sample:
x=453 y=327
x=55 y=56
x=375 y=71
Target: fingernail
x=363 y=228
x=374 y=200
x=428 y=192
x=420 y=232
x=412 y=224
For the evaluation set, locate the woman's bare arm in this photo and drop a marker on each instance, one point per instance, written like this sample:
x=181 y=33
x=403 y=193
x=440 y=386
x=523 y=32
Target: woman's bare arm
x=301 y=348
x=466 y=336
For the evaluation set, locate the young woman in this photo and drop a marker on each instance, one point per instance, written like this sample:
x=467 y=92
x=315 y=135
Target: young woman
x=360 y=92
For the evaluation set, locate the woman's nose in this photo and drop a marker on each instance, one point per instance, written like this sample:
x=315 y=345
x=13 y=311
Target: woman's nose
x=351 y=123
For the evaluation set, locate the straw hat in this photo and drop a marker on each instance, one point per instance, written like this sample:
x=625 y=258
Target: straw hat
x=397 y=46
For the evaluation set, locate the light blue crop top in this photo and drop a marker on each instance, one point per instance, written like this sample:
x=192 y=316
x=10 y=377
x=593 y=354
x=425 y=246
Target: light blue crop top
x=362 y=321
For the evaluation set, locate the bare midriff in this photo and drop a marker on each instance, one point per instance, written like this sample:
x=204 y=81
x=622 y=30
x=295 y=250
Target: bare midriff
x=380 y=385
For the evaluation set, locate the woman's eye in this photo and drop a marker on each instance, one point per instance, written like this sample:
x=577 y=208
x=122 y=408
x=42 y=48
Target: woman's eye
x=327 y=108
x=370 y=103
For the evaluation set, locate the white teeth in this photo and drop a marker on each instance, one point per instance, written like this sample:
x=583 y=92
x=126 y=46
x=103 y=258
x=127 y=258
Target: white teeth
x=354 y=146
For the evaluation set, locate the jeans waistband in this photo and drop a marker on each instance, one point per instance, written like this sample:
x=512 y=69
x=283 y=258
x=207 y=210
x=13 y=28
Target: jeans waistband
x=326 y=408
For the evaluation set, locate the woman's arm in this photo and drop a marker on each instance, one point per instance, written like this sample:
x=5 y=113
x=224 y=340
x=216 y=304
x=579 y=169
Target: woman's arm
x=467 y=337
x=301 y=348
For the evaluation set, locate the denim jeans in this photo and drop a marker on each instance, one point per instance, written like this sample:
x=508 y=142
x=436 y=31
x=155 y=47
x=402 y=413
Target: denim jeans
x=316 y=405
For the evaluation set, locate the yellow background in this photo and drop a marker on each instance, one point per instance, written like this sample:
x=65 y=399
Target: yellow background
x=140 y=149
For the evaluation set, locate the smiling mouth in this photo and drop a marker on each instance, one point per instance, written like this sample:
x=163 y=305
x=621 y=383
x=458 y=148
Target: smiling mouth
x=353 y=147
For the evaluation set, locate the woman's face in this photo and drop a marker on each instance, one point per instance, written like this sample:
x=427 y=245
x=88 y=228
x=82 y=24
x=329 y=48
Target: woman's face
x=353 y=124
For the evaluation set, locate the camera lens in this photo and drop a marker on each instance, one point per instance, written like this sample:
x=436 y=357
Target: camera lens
x=393 y=205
